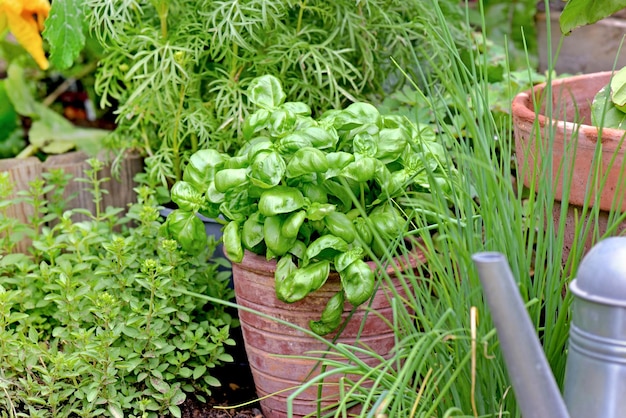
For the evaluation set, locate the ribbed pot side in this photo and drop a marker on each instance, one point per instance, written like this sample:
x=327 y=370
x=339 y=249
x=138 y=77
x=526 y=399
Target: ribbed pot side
x=572 y=149
x=267 y=341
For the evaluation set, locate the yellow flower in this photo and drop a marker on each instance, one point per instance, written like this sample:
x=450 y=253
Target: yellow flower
x=25 y=19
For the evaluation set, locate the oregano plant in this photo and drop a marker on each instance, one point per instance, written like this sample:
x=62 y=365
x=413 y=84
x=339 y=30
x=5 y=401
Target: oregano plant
x=94 y=320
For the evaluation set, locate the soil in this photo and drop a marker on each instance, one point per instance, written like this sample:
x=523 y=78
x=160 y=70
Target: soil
x=232 y=399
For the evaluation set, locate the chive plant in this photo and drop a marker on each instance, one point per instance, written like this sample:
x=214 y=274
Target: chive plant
x=447 y=360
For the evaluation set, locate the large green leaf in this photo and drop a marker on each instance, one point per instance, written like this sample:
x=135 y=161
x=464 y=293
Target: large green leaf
x=19 y=92
x=618 y=88
x=605 y=113
x=64 y=32
x=584 y=12
x=49 y=132
x=54 y=134
x=8 y=115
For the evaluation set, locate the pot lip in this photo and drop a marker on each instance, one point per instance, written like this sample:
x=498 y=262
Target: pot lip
x=523 y=110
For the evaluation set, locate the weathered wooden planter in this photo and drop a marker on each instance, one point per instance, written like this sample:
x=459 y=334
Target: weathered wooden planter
x=119 y=187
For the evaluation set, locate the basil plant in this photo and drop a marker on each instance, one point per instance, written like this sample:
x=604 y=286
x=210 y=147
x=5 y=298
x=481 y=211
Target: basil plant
x=608 y=108
x=309 y=193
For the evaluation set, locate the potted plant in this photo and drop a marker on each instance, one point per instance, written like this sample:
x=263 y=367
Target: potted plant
x=304 y=203
x=213 y=50
x=583 y=115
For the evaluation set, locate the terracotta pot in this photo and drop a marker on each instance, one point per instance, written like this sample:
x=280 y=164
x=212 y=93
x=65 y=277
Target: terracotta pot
x=573 y=148
x=266 y=340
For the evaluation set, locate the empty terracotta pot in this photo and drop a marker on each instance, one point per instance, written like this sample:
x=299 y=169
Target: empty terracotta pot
x=267 y=341
x=572 y=148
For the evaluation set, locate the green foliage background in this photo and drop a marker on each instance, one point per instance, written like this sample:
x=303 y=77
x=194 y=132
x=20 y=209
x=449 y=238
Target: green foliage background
x=177 y=70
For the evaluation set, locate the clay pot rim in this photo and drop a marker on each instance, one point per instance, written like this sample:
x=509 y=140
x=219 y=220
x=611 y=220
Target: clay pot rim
x=522 y=108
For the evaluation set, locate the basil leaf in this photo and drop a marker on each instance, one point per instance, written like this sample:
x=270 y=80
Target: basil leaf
x=292 y=224
x=305 y=161
x=318 y=211
x=284 y=267
x=321 y=138
x=186 y=228
x=391 y=144
x=252 y=231
x=200 y=169
x=232 y=242
x=331 y=315
x=336 y=162
x=325 y=247
x=358 y=282
x=266 y=92
x=365 y=144
x=343 y=260
x=237 y=205
x=293 y=142
x=341 y=226
x=282 y=122
x=255 y=123
x=298 y=108
x=606 y=114
x=280 y=199
x=186 y=196
x=276 y=242
x=230 y=178
x=267 y=170
x=302 y=281
x=356 y=115
x=361 y=170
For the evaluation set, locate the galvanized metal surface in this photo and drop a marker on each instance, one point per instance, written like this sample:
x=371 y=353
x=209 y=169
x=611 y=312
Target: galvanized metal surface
x=595 y=381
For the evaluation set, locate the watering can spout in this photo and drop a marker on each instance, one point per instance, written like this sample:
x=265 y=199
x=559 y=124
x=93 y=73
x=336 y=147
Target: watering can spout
x=534 y=385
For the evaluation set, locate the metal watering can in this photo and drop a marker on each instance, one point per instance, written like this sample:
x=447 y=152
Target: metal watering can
x=595 y=375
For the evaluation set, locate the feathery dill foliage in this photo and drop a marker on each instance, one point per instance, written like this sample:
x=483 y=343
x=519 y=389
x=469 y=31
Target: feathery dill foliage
x=178 y=70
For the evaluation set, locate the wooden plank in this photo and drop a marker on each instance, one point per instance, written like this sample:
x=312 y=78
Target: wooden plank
x=76 y=193
x=120 y=186
x=21 y=173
